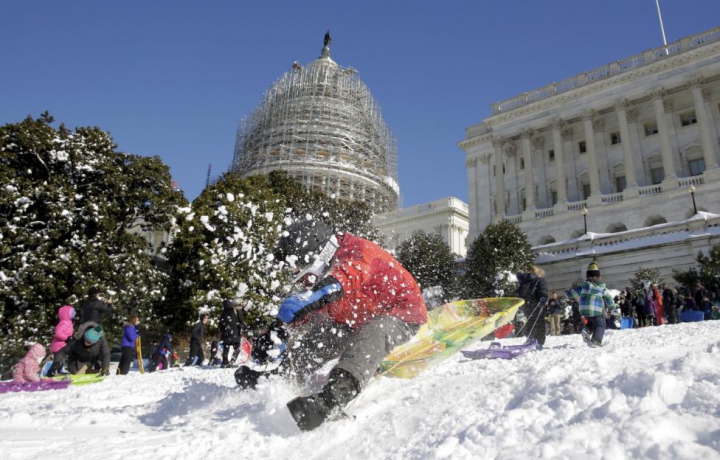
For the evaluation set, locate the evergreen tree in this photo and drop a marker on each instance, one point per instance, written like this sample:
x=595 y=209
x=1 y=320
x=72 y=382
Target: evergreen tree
x=429 y=260
x=223 y=250
x=708 y=273
x=342 y=215
x=710 y=269
x=224 y=246
x=644 y=275
x=493 y=259
x=67 y=201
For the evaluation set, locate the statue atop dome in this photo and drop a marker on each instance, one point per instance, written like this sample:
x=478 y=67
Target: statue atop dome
x=327 y=39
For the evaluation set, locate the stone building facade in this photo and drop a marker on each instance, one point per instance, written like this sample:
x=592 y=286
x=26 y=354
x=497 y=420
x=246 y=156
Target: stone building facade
x=447 y=217
x=618 y=147
x=629 y=147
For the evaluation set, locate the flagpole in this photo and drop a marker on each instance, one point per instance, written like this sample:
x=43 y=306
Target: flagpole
x=662 y=27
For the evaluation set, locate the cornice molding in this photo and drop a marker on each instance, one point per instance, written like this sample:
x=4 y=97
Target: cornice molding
x=599 y=86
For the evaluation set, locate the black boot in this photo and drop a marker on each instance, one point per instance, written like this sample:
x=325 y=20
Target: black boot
x=246 y=377
x=311 y=411
x=54 y=369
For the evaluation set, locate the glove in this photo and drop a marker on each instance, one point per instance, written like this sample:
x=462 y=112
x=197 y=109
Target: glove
x=327 y=291
x=246 y=377
x=291 y=307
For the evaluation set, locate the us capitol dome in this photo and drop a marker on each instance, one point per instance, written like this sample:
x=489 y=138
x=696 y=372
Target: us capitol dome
x=320 y=123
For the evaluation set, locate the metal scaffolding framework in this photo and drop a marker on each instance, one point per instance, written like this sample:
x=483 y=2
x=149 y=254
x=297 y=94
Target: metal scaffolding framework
x=321 y=124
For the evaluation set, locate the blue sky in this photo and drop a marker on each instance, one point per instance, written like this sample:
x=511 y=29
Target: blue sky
x=173 y=78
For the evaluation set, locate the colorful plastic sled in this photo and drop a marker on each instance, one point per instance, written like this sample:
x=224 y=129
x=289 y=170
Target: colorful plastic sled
x=497 y=351
x=450 y=328
x=42 y=385
x=79 y=379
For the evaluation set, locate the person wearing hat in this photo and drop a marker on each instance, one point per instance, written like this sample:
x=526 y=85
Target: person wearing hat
x=230 y=324
x=91 y=346
x=593 y=298
x=356 y=302
x=93 y=308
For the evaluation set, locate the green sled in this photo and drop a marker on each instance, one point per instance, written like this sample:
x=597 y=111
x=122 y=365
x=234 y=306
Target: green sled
x=449 y=329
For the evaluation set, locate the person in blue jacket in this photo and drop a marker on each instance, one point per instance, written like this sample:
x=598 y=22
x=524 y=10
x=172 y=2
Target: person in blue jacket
x=129 y=337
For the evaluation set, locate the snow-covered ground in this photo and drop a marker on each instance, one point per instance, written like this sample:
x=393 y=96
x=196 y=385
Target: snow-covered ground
x=649 y=393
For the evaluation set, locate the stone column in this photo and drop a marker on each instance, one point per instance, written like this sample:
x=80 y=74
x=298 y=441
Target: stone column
x=470 y=165
x=525 y=136
x=486 y=215
x=621 y=110
x=602 y=156
x=703 y=121
x=538 y=144
x=556 y=126
x=636 y=147
x=497 y=143
x=511 y=164
x=593 y=171
x=571 y=163
x=658 y=97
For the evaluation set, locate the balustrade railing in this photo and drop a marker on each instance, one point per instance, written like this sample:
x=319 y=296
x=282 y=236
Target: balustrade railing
x=614 y=198
x=647 y=57
x=650 y=190
x=576 y=206
x=540 y=213
x=688 y=181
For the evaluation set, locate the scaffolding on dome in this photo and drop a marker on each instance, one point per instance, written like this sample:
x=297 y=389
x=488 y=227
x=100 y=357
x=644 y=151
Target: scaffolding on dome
x=321 y=124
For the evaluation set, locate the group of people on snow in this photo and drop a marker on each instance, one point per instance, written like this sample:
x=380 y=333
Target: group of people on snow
x=591 y=308
x=353 y=302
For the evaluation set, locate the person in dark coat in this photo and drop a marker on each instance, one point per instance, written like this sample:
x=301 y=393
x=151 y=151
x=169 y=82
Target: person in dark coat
x=197 y=337
x=230 y=322
x=556 y=310
x=669 y=302
x=163 y=354
x=93 y=308
x=90 y=346
x=129 y=338
x=698 y=293
x=532 y=289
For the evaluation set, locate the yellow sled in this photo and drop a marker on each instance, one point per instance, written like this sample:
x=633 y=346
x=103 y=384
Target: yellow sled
x=450 y=328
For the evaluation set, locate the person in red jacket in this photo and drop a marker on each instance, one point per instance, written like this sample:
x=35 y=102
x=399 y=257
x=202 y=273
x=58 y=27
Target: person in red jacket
x=358 y=304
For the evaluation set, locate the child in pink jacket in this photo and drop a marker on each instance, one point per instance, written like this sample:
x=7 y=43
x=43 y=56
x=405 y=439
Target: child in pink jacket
x=28 y=368
x=63 y=332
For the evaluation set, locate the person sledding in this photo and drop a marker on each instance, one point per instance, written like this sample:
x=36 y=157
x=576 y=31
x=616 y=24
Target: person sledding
x=90 y=347
x=28 y=369
x=358 y=304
